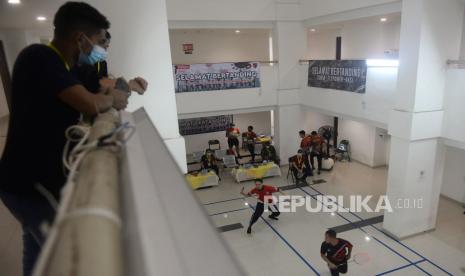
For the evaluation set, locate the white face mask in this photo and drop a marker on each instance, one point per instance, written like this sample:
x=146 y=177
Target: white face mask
x=98 y=54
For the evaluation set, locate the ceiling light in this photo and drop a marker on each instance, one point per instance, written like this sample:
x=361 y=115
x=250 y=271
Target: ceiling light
x=246 y=204
x=367 y=238
x=237 y=31
x=14 y=2
x=41 y=18
x=383 y=19
x=312 y=30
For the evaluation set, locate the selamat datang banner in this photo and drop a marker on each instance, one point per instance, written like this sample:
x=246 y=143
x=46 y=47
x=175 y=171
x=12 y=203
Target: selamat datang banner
x=216 y=76
x=347 y=75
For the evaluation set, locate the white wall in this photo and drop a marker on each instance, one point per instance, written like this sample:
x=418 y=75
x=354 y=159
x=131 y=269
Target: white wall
x=454 y=113
x=373 y=106
x=362 y=140
x=361 y=39
x=314 y=120
x=223 y=45
x=261 y=121
x=141 y=47
x=462 y=48
x=13 y=41
x=321 y=44
x=453 y=184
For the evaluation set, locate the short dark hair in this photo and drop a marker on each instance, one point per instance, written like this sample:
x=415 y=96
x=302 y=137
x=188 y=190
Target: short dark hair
x=314 y=133
x=331 y=233
x=78 y=16
x=251 y=127
x=258 y=180
x=302 y=132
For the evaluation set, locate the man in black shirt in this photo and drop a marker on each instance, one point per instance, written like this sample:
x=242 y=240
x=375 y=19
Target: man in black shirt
x=335 y=252
x=95 y=77
x=47 y=99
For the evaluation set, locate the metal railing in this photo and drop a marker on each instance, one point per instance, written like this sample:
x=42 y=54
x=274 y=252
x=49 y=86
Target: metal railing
x=85 y=238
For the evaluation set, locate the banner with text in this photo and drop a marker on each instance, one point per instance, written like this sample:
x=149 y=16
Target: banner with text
x=204 y=124
x=216 y=76
x=348 y=75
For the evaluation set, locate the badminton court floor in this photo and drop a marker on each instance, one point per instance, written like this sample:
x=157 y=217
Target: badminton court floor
x=291 y=246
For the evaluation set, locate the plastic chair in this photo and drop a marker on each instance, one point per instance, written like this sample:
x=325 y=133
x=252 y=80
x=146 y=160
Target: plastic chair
x=219 y=154
x=289 y=170
x=197 y=156
x=229 y=161
x=344 y=149
x=214 y=145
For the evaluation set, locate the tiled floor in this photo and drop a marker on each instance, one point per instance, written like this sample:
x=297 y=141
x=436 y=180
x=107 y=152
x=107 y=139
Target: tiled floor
x=291 y=245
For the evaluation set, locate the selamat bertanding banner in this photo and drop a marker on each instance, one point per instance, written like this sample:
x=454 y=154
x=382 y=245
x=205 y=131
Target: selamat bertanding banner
x=216 y=76
x=347 y=75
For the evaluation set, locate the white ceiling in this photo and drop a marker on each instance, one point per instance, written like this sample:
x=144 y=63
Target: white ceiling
x=23 y=15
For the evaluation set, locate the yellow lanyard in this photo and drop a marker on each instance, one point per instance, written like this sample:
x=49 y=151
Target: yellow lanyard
x=60 y=55
x=98 y=67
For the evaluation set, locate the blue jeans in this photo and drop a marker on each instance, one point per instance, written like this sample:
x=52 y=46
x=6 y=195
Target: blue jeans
x=31 y=210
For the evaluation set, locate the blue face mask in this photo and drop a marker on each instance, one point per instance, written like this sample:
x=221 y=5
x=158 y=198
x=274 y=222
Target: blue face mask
x=97 y=54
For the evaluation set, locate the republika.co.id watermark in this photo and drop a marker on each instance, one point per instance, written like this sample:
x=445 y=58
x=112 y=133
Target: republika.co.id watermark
x=330 y=204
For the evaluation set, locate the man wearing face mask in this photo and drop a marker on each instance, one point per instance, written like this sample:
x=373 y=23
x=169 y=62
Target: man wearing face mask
x=47 y=99
x=92 y=70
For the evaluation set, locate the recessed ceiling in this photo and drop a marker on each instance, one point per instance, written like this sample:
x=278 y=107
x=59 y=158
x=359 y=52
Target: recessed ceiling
x=221 y=31
x=390 y=18
x=24 y=15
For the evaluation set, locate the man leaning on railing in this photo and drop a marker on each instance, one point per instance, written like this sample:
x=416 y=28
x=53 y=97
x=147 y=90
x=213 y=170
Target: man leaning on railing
x=47 y=98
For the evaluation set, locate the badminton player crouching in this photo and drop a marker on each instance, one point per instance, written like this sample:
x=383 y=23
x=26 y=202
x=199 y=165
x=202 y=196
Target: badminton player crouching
x=335 y=252
x=262 y=191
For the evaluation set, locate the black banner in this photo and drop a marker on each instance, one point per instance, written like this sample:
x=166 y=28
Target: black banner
x=348 y=75
x=204 y=124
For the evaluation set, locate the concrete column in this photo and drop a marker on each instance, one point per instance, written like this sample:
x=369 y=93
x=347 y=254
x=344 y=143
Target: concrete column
x=140 y=46
x=290 y=38
x=430 y=34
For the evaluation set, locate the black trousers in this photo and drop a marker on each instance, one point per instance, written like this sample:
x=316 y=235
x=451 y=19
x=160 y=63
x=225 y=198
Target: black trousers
x=215 y=168
x=296 y=172
x=233 y=142
x=251 y=148
x=319 y=158
x=308 y=166
x=259 y=209
x=342 y=268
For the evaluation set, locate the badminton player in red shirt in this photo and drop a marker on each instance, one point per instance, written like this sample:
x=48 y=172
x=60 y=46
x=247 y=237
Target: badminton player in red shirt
x=261 y=191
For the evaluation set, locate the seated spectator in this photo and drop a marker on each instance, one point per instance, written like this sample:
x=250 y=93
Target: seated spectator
x=209 y=162
x=299 y=168
x=269 y=154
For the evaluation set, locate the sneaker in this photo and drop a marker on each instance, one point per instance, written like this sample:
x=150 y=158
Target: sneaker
x=273 y=217
x=319 y=172
x=249 y=230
